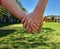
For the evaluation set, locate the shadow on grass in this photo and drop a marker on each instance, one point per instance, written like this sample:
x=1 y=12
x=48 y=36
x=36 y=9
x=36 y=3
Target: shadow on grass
x=43 y=30
x=47 y=30
x=5 y=32
x=6 y=24
x=23 y=45
x=29 y=42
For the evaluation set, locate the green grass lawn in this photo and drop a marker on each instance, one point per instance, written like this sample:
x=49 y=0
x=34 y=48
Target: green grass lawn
x=14 y=36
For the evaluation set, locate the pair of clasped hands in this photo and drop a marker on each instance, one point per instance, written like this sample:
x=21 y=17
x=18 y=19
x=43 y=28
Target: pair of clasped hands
x=32 y=22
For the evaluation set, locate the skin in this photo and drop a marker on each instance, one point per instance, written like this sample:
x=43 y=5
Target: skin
x=13 y=7
x=34 y=21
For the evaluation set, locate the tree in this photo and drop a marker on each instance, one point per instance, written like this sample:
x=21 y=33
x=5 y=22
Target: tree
x=3 y=14
x=52 y=18
x=21 y=6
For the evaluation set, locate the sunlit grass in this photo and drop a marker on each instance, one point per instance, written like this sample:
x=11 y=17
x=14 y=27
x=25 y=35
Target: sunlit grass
x=14 y=36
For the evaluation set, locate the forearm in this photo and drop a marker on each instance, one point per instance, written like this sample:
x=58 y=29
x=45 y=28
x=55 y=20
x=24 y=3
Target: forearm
x=40 y=7
x=12 y=6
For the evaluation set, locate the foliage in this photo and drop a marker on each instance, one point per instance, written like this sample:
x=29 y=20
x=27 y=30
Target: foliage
x=21 y=6
x=3 y=11
x=52 y=18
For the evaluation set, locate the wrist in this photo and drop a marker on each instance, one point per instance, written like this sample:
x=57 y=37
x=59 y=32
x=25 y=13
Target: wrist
x=23 y=16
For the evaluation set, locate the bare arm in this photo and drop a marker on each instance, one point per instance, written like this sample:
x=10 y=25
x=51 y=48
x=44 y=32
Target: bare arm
x=40 y=7
x=12 y=6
